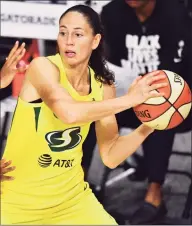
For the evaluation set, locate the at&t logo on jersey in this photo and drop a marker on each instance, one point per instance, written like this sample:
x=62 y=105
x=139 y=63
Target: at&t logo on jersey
x=59 y=141
x=46 y=160
x=63 y=163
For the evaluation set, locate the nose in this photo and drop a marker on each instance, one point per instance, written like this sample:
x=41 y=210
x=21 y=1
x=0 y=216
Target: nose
x=70 y=40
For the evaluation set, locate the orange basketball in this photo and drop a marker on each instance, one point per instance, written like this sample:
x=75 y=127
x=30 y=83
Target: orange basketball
x=169 y=111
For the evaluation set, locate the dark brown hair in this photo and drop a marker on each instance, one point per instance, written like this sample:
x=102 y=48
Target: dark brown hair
x=97 y=60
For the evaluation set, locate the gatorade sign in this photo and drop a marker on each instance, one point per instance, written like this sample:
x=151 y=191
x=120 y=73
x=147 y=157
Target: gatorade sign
x=35 y=20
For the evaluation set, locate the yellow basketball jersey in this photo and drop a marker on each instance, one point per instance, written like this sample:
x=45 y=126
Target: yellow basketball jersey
x=47 y=154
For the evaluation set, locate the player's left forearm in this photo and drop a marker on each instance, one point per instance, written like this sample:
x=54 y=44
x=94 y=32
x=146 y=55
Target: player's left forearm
x=125 y=146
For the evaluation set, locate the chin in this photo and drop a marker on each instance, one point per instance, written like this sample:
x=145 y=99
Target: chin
x=71 y=64
x=134 y=3
x=74 y=61
x=70 y=61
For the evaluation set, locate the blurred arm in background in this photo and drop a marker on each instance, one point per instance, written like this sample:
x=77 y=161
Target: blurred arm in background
x=11 y=67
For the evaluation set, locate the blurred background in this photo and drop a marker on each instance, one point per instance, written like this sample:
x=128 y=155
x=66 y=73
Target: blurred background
x=121 y=190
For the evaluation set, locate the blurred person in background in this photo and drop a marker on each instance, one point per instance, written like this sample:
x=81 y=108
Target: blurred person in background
x=142 y=36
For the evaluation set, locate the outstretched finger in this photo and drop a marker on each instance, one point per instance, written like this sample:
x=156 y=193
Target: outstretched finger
x=13 y=50
x=153 y=73
x=19 y=57
x=6 y=178
x=158 y=77
x=7 y=170
x=2 y=161
x=158 y=85
x=156 y=94
x=5 y=163
x=15 y=56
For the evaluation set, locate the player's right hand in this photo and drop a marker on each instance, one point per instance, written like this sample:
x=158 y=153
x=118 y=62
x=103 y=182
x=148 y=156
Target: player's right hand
x=4 y=169
x=143 y=88
x=10 y=68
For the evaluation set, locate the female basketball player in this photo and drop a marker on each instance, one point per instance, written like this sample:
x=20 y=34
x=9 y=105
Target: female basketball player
x=60 y=97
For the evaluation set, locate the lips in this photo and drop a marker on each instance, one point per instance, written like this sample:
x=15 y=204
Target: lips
x=70 y=53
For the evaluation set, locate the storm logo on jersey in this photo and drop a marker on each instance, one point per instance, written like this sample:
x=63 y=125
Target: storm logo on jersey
x=59 y=141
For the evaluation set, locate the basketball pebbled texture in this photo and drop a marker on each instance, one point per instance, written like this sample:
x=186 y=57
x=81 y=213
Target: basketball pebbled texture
x=169 y=111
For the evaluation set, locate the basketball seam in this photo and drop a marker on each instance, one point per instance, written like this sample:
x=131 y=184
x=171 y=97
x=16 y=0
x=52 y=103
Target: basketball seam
x=172 y=105
x=155 y=104
x=159 y=115
x=176 y=100
x=163 y=96
x=158 y=105
x=170 y=120
x=176 y=110
x=169 y=85
x=185 y=104
x=180 y=93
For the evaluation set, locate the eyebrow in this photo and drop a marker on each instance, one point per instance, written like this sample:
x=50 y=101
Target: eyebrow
x=76 y=28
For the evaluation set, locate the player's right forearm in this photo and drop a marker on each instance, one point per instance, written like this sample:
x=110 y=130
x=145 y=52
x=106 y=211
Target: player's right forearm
x=82 y=112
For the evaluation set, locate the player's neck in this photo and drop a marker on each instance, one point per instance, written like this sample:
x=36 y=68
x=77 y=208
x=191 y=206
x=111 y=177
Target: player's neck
x=144 y=12
x=77 y=75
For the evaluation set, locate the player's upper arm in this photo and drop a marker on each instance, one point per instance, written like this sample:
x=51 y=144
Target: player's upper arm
x=106 y=128
x=45 y=77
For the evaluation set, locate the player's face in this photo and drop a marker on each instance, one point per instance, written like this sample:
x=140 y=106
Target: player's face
x=137 y=3
x=76 y=39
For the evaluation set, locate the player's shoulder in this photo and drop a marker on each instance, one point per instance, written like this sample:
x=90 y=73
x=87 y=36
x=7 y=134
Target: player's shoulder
x=42 y=63
x=42 y=68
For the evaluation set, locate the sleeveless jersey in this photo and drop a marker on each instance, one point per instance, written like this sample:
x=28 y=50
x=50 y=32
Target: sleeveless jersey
x=47 y=154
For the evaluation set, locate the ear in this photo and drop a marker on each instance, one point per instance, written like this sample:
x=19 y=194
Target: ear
x=96 y=41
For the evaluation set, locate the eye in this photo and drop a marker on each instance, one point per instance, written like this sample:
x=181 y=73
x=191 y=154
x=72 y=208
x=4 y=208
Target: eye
x=62 y=33
x=79 y=35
